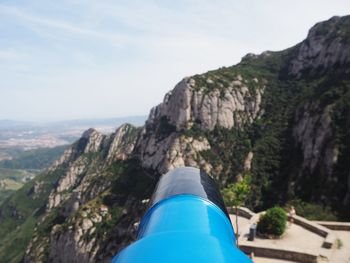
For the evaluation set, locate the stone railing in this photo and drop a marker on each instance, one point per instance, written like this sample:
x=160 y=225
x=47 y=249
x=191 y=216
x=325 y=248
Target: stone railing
x=338 y=226
x=296 y=255
x=321 y=228
x=318 y=229
x=242 y=211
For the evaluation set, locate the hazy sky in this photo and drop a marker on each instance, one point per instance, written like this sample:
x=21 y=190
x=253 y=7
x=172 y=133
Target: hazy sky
x=68 y=59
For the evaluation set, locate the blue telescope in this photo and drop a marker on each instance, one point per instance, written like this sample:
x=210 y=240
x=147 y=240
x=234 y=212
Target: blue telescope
x=187 y=222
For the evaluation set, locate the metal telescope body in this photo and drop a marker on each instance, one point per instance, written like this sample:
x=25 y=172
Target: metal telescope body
x=187 y=222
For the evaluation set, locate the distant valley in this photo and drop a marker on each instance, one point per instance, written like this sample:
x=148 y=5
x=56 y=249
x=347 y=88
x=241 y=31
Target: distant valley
x=12 y=180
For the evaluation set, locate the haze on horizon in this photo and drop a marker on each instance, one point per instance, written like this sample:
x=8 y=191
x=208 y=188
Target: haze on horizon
x=75 y=59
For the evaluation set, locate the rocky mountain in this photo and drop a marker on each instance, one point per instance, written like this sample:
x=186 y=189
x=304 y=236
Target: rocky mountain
x=281 y=118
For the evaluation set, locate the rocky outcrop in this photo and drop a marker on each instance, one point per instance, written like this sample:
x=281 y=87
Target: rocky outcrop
x=67 y=183
x=326 y=45
x=90 y=143
x=118 y=146
x=67 y=156
x=225 y=106
x=76 y=241
x=84 y=179
x=185 y=152
x=123 y=143
x=92 y=140
x=247 y=166
x=313 y=131
x=190 y=104
x=79 y=242
x=153 y=152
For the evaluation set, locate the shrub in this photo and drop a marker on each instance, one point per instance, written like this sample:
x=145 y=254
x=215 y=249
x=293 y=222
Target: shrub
x=338 y=243
x=273 y=222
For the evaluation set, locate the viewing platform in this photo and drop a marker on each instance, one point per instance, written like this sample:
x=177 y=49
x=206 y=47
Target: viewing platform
x=303 y=241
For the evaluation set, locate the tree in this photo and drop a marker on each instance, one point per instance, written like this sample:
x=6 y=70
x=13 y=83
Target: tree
x=235 y=195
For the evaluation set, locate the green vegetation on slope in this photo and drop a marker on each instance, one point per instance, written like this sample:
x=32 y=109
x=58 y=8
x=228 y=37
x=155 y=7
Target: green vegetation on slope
x=12 y=180
x=312 y=211
x=19 y=214
x=278 y=159
x=125 y=181
x=34 y=159
x=23 y=167
x=14 y=174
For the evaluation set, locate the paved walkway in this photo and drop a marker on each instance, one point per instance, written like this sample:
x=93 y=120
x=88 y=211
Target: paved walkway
x=342 y=254
x=296 y=237
x=242 y=222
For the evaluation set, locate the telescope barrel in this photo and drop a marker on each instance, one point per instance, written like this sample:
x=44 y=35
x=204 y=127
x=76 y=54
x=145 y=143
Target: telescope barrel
x=186 y=222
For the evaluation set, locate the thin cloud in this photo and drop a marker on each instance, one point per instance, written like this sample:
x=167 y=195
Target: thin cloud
x=35 y=22
x=102 y=58
x=12 y=54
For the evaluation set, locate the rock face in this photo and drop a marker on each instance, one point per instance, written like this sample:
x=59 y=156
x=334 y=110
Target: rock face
x=281 y=118
x=79 y=250
x=314 y=133
x=189 y=103
x=93 y=140
x=123 y=143
x=84 y=179
x=75 y=181
x=161 y=146
x=327 y=45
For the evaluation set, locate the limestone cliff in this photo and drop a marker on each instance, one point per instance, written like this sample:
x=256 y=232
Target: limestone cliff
x=163 y=145
x=71 y=201
x=326 y=46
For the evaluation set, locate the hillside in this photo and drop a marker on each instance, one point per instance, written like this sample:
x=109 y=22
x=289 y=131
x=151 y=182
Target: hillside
x=12 y=180
x=37 y=159
x=281 y=118
x=23 y=167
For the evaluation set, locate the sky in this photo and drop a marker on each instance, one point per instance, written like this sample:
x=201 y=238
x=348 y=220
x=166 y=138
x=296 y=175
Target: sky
x=73 y=59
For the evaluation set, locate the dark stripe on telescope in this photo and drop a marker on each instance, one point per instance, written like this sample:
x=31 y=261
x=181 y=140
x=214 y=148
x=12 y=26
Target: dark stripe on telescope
x=188 y=180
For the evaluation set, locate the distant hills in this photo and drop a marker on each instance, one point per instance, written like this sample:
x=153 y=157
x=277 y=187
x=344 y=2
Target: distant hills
x=35 y=159
x=24 y=166
x=115 y=122
x=20 y=135
x=12 y=123
x=12 y=180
